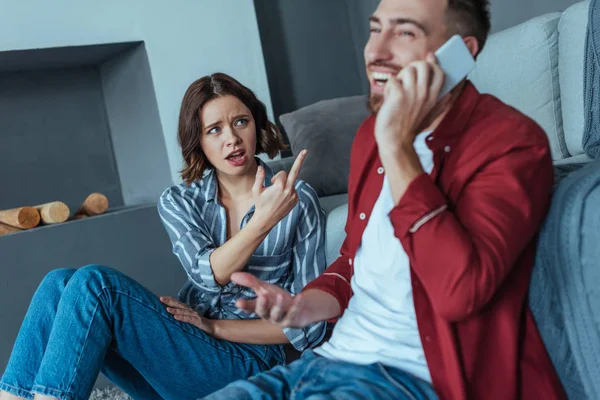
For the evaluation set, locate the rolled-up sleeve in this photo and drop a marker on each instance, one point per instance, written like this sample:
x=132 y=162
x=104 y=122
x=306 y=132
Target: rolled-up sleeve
x=478 y=242
x=191 y=240
x=309 y=261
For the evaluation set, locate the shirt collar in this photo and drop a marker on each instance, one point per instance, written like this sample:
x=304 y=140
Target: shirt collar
x=210 y=186
x=454 y=123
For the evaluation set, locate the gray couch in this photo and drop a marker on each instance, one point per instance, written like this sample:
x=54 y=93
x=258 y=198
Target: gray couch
x=536 y=67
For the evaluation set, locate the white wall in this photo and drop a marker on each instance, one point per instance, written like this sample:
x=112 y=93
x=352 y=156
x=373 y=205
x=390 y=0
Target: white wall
x=185 y=39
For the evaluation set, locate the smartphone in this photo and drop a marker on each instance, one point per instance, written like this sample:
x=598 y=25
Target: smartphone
x=456 y=61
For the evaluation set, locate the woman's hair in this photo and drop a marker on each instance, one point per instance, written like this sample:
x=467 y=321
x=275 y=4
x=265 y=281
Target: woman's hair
x=268 y=137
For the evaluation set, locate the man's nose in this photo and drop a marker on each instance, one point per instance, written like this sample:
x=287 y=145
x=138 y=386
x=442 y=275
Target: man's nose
x=378 y=49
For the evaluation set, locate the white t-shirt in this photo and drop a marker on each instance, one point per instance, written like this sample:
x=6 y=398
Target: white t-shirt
x=380 y=324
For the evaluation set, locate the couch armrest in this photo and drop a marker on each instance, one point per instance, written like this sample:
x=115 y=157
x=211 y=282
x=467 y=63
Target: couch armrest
x=564 y=167
x=565 y=286
x=561 y=171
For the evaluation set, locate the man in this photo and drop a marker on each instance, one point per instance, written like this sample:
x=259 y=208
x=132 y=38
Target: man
x=445 y=201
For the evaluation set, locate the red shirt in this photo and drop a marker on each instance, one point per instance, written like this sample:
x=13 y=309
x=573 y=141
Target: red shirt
x=469 y=229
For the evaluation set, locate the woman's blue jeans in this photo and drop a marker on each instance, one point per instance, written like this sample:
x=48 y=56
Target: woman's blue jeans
x=95 y=319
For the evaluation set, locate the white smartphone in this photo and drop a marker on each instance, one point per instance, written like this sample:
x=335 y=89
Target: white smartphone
x=456 y=61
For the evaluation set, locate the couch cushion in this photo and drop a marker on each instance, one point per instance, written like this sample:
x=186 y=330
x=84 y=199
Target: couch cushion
x=571 y=49
x=326 y=129
x=330 y=203
x=335 y=234
x=520 y=67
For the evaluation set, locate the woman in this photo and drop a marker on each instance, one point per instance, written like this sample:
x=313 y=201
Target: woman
x=231 y=214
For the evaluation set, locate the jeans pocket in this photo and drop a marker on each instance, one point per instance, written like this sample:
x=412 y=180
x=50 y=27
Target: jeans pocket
x=399 y=384
x=274 y=355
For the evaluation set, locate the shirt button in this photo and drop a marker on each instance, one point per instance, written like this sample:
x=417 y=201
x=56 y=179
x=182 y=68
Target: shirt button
x=430 y=138
x=362 y=216
x=380 y=170
x=428 y=339
x=350 y=261
x=447 y=149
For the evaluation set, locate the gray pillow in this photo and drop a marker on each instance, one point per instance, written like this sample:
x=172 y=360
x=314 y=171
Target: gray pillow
x=326 y=129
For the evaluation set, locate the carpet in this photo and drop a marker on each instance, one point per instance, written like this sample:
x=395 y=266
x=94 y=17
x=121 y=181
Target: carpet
x=110 y=393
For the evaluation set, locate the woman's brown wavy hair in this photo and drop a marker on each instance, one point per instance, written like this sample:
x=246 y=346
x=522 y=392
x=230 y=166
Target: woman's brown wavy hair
x=268 y=137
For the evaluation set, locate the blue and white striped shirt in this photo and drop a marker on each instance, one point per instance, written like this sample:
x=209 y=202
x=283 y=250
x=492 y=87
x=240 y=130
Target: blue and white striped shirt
x=292 y=255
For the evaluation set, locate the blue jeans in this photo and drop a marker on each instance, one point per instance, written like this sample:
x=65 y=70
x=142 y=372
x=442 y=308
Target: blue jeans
x=95 y=319
x=318 y=378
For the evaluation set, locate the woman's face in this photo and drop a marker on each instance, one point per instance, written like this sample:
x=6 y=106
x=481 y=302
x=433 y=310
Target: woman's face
x=228 y=135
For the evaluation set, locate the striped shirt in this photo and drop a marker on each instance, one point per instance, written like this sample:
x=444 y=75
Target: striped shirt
x=291 y=256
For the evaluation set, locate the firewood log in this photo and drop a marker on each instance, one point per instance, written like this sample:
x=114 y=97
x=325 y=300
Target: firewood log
x=94 y=204
x=6 y=229
x=53 y=213
x=22 y=218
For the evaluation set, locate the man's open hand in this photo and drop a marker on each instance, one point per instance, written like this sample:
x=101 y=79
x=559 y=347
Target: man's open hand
x=273 y=304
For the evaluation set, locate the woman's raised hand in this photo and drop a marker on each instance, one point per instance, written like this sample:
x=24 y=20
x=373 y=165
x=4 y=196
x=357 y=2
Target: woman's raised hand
x=272 y=204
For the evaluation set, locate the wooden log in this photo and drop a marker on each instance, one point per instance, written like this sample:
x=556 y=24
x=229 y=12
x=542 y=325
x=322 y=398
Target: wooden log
x=94 y=204
x=53 y=213
x=6 y=229
x=22 y=218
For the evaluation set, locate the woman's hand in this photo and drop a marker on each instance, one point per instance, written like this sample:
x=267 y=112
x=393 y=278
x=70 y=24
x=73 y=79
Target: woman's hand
x=184 y=313
x=272 y=204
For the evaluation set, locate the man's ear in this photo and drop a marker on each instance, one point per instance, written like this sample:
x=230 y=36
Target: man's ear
x=472 y=45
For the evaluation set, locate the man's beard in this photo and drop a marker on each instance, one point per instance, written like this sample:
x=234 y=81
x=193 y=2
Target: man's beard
x=375 y=102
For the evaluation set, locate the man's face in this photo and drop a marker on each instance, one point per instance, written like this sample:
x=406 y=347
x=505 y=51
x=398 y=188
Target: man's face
x=402 y=31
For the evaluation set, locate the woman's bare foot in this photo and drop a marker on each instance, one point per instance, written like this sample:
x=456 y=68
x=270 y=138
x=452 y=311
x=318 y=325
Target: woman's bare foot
x=42 y=397
x=8 y=396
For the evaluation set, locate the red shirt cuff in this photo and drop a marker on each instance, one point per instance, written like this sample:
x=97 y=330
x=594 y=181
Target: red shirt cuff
x=335 y=281
x=422 y=199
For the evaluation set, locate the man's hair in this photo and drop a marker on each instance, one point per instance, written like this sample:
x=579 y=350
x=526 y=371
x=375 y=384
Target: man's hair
x=470 y=18
x=268 y=137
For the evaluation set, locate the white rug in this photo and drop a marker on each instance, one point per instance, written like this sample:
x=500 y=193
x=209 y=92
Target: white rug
x=111 y=393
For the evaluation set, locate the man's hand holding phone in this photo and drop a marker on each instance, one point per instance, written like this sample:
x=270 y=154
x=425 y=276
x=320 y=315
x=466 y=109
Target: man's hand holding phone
x=418 y=94
x=408 y=102
x=411 y=103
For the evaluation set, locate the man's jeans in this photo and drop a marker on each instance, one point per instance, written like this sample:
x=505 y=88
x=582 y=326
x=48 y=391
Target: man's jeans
x=81 y=322
x=318 y=378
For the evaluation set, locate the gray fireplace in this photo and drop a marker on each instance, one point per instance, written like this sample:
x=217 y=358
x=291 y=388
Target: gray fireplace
x=77 y=120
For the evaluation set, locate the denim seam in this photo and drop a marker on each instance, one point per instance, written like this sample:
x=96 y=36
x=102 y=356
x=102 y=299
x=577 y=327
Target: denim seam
x=105 y=290
x=302 y=378
x=396 y=383
x=263 y=362
x=20 y=391
x=83 y=346
x=188 y=328
x=272 y=348
x=59 y=394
